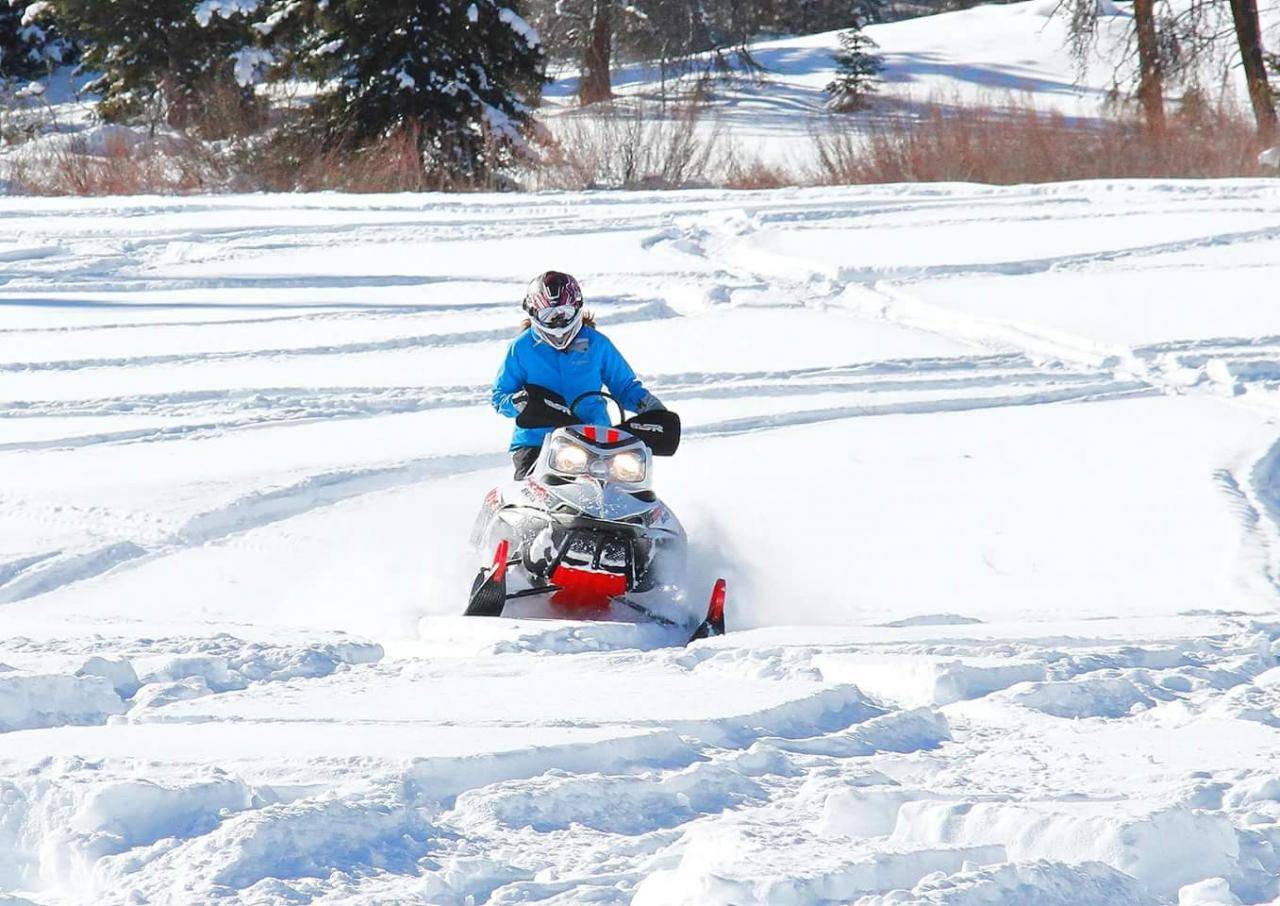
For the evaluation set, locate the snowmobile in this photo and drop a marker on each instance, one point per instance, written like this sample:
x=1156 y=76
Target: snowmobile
x=584 y=532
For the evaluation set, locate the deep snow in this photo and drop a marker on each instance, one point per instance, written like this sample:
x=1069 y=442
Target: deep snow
x=994 y=475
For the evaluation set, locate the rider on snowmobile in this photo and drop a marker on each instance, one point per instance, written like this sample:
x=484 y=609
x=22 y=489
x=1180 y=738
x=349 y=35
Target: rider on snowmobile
x=561 y=350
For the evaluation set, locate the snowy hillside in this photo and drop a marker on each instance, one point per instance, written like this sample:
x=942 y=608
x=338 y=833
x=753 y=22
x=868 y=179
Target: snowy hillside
x=994 y=476
x=990 y=55
x=767 y=114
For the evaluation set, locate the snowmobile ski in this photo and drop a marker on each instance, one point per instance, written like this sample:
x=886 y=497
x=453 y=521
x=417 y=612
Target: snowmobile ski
x=489 y=591
x=713 y=625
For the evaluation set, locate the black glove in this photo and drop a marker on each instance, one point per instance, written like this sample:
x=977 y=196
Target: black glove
x=650 y=403
x=538 y=407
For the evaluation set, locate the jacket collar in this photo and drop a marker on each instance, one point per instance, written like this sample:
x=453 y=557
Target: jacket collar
x=580 y=340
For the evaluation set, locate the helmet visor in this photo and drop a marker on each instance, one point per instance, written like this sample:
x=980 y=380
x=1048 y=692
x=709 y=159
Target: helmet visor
x=556 y=316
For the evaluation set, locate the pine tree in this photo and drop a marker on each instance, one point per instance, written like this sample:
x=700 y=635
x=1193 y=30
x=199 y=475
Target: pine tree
x=461 y=76
x=156 y=58
x=857 y=71
x=30 y=44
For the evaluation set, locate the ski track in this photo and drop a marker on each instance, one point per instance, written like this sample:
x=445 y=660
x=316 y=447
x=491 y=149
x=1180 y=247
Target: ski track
x=269 y=407
x=878 y=770
x=40 y=575
x=651 y=311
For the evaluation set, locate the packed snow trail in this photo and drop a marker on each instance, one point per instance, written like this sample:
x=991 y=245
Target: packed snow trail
x=994 y=475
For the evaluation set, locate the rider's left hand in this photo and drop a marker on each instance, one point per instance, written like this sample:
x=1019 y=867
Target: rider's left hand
x=650 y=403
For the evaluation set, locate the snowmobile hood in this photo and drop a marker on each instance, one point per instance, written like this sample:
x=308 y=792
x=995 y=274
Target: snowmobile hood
x=601 y=499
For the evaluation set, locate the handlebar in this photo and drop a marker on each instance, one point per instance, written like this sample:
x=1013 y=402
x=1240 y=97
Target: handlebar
x=622 y=413
x=659 y=430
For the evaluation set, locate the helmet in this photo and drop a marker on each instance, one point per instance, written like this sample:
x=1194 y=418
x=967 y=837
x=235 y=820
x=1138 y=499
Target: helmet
x=554 y=305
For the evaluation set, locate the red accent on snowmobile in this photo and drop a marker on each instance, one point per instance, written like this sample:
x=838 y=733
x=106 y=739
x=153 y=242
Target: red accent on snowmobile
x=612 y=437
x=715 y=609
x=500 y=561
x=586 y=588
x=589 y=432
x=713 y=625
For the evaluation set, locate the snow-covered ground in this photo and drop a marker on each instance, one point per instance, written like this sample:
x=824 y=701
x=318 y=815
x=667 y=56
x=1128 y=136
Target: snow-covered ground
x=994 y=476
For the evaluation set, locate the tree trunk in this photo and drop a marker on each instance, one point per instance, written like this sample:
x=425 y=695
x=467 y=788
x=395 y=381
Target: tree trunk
x=1150 y=83
x=699 y=34
x=595 y=85
x=767 y=14
x=1249 y=34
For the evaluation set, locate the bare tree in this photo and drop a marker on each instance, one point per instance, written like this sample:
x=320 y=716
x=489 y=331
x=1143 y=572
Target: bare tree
x=1249 y=36
x=682 y=37
x=595 y=85
x=1151 y=71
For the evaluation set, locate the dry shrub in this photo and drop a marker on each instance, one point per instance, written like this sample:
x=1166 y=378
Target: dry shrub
x=753 y=172
x=1022 y=145
x=632 y=147
x=168 y=166
x=288 y=161
x=220 y=109
x=295 y=161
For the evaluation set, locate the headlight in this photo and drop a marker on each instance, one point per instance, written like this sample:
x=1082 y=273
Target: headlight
x=627 y=467
x=569 y=458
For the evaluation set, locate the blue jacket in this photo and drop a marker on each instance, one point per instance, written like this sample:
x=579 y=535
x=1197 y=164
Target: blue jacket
x=590 y=361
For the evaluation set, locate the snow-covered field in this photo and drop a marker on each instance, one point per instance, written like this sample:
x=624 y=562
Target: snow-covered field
x=994 y=475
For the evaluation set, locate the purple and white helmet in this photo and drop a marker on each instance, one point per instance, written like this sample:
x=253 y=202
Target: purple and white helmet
x=554 y=305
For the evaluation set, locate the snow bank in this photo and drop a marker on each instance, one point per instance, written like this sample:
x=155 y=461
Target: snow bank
x=469 y=879
x=1042 y=883
x=309 y=838
x=900 y=731
x=61 y=826
x=118 y=817
x=117 y=671
x=726 y=866
x=227 y=663
x=924 y=680
x=442 y=779
x=22 y=252
x=158 y=694
x=1163 y=849
x=28 y=701
x=1254 y=791
x=1090 y=696
x=864 y=812
x=617 y=804
x=1209 y=892
x=213 y=671
x=827 y=710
